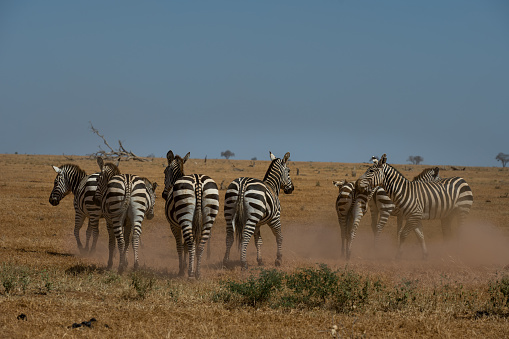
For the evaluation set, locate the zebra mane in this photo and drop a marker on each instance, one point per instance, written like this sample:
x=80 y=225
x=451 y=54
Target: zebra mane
x=271 y=166
x=178 y=159
x=75 y=168
x=426 y=171
x=114 y=168
x=396 y=170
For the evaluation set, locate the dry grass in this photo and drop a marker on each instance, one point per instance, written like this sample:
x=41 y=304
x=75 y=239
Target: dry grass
x=44 y=277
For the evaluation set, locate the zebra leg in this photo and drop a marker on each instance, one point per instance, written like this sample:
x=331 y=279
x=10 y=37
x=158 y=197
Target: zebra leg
x=275 y=226
x=246 y=236
x=93 y=223
x=374 y=221
x=119 y=235
x=187 y=231
x=136 y=242
x=78 y=222
x=229 y=240
x=258 y=243
x=342 y=226
x=177 y=233
x=128 y=228
x=352 y=231
x=111 y=243
x=420 y=236
x=411 y=223
x=209 y=216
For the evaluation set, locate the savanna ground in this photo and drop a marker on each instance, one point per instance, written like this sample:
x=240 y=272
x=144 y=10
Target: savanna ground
x=459 y=291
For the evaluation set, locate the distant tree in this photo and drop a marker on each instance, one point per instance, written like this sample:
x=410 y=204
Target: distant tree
x=504 y=158
x=151 y=155
x=227 y=154
x=254 y=158
x=415 y=159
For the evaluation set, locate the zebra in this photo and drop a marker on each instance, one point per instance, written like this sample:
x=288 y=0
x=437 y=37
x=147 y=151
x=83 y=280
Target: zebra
x=250 y=203
x=381 y=206
x=192 y=204
x=444 y=199
x=71 y=178
x=344 y=209
x=125 y=201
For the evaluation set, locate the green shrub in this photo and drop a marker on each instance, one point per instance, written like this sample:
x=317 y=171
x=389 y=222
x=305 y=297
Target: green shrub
x=254 y=290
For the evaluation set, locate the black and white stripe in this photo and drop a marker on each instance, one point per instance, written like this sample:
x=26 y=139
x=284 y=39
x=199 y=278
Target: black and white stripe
x=192 y=204
x=381 y=206
x=344 y=209
x=444 y=199
x=71 y=178
x=250 y=203
x=125 y=202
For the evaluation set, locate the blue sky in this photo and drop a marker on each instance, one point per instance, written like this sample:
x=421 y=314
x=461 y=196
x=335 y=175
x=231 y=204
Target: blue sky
x=324 y=80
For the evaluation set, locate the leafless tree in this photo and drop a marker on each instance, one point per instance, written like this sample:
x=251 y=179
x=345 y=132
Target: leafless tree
x=504 y=158
x=120 y=153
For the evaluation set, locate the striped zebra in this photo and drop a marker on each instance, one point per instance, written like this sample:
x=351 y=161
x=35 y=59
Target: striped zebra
x=381 y=207
x=71 y=178
x=192 y=204
x=344 y=209
x=250 y=203
x=445 y=199
x=125 y=201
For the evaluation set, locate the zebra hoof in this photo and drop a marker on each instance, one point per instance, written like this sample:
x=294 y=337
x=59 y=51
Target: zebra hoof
x=182 y=273
x=260 y=262
x=244 y=266
x=278 y=262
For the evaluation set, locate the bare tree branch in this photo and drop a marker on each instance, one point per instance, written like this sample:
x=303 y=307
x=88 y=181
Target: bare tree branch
x=121 y=153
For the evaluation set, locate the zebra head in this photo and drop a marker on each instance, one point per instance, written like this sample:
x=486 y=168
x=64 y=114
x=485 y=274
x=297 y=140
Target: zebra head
x=67 y=179
x=108 y=170
x=373 y=177
x=173 y=171
x=151 y=189
x=279 y=166
x=428 y=174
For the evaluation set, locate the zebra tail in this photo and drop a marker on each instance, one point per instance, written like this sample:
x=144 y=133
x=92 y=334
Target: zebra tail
x=238 y=219
x=197 y=217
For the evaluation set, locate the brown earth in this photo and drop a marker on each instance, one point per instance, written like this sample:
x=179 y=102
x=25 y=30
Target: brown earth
x=38 y=238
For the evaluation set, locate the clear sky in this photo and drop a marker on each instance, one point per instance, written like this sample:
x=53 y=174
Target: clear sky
x=325 y=80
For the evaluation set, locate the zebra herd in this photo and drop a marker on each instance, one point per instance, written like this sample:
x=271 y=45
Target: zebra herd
x=192 y=204
x=426 y=197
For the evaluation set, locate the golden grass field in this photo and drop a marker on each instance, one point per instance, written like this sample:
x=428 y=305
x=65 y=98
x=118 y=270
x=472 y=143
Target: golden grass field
x=44 y=276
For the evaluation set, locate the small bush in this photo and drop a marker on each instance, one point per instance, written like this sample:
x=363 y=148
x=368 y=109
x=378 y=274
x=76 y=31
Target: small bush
x=253 y=291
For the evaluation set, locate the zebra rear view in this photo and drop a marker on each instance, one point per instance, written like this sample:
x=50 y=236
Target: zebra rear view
x=192 y=204
x=250 y=203
x=125 y=201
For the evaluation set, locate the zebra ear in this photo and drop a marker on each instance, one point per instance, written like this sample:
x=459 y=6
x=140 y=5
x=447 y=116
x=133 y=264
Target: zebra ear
x=100 y=162
x=154 y=186
x=286 y=157
x=338 y=183
x=383 y=159
x=58 y=170
x=186 y=157
x=272 y=156
x=170 y=156
x=118 y=162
